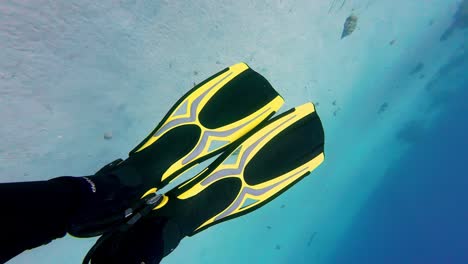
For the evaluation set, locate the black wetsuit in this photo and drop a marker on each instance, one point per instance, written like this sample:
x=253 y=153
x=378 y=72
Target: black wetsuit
x=35 y=213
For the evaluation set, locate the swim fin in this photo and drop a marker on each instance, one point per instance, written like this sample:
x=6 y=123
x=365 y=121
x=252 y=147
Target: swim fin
x=245 y=177
x=241 y=180
x=204 y=122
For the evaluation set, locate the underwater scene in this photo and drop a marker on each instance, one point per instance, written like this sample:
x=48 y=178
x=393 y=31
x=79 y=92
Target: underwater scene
x=378 y=92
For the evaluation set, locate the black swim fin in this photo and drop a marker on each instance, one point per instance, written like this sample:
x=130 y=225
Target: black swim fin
x=204 y=122
x=245 y=177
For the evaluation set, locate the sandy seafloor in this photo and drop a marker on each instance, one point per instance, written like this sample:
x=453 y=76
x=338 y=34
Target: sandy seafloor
x=391 y=189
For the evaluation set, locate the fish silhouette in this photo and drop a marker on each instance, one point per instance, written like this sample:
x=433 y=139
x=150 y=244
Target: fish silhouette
x=349 y=26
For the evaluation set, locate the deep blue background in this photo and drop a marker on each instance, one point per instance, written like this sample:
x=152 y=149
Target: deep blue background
x=419 y=214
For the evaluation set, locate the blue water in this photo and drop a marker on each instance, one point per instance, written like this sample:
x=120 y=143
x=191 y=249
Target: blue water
x=392 y=96
x=418 y=213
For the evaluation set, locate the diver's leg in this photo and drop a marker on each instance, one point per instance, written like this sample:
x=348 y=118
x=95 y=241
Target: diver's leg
x=35 y=213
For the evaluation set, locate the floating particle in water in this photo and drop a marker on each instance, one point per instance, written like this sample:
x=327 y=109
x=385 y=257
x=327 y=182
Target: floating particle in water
x=431 y=22
x=383 y=108
x=317 y=104
x=48 y=107
x=422 y=76
x=283 y=206
x=194 y=84
x=334 y=102
x=349 y=26
x=218 y=62
x=268 y=227
x=121 y=107
x=195 y=72
x=311 y=238
x=417 y=68
x=277 y=247
x=170 y=65
x=392 y=42
x=108 y=135
x=336 y=112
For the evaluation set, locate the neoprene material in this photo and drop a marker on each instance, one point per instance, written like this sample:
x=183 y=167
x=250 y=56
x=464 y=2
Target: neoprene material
x=35 y=213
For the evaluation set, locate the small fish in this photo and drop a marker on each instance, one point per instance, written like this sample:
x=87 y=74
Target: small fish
x=383 y=108
x=108 y=135
x=417 y=68
x=349 y=26
x=392 y=42
x=336 y=111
